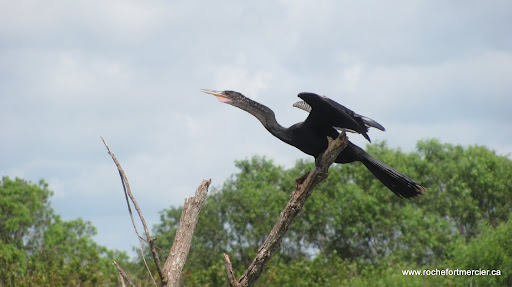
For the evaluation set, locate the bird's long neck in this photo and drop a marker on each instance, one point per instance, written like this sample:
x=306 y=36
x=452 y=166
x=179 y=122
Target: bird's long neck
x=267 y=118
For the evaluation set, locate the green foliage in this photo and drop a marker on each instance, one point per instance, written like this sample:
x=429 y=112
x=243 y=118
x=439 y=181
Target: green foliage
x=491 y=250
x=351 y=232
x=38 y=248
x=24 y=207
x=355 y=232
x=466 y=184
x=321 y=271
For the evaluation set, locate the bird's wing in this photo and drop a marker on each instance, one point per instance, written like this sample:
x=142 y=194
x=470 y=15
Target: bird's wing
x=366 y=120
x=304 y=106
x=326 y=111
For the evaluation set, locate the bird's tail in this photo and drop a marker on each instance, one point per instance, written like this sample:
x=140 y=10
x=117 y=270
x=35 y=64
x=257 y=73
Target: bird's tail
x=396 y=181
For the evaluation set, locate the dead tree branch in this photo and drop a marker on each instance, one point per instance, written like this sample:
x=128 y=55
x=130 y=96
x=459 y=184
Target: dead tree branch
x=181 y=246
x=123 y=275
x=128 y=194
x=171 y=273
x=299 y=196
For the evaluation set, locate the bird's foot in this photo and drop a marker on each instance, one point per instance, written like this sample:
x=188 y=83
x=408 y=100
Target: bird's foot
x=318 y=159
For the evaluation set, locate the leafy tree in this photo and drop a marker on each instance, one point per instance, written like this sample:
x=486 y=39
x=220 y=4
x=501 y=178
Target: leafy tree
x=233 y=220
x=25 y=212
x=466 y=185
x=38 y=248
x=489 y=251
x=354 y=215
x=353 y=231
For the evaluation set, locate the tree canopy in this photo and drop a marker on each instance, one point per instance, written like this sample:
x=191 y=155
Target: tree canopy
x=352 y=231
x=38 y=248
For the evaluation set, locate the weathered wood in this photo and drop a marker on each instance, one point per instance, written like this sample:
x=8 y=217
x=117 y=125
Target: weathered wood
x=123 y=275
x=129 y=196
x=183 y=239
x=299 y=196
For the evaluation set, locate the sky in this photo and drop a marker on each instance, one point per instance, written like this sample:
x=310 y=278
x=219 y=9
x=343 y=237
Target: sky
x=131 y=71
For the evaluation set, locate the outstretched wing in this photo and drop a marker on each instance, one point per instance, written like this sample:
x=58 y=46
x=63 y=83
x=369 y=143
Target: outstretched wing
x=326 y=111
x=367 y=121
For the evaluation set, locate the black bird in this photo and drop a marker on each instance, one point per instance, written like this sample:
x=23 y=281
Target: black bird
x=310 y=136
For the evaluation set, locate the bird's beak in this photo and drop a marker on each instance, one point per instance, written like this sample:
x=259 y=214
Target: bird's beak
x=221 y=96
x=215 y=93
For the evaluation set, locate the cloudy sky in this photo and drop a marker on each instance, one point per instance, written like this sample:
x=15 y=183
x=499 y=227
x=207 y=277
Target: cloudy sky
x=131 y=71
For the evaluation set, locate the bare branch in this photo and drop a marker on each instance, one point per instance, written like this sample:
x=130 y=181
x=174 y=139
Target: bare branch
x=229 y=269
x=128 y=193
x=183 y=239
x=299 y=196
x=123 y=274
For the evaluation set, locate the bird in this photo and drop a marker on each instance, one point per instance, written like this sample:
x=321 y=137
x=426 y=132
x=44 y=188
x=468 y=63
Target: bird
x=310 y=136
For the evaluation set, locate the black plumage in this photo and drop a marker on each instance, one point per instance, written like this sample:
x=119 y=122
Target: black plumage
x=310 y=136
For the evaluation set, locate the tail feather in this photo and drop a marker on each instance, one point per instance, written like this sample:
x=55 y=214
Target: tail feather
x=396 y=181
x=371 y=123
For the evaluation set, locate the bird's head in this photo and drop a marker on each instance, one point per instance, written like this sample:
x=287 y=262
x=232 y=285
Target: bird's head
x=242 y=102
x=229 y=97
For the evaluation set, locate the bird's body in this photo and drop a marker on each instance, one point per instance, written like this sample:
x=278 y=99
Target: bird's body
x=310 y=136
x=311 y=140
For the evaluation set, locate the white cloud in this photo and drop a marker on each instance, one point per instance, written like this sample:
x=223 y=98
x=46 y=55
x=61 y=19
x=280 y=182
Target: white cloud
x=350 y=78
x=464 y=87
x=38 y=22
x=240 y=79
x=132 y=70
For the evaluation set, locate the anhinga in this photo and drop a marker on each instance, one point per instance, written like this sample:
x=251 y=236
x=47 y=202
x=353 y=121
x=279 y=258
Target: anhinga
x=310 y=136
